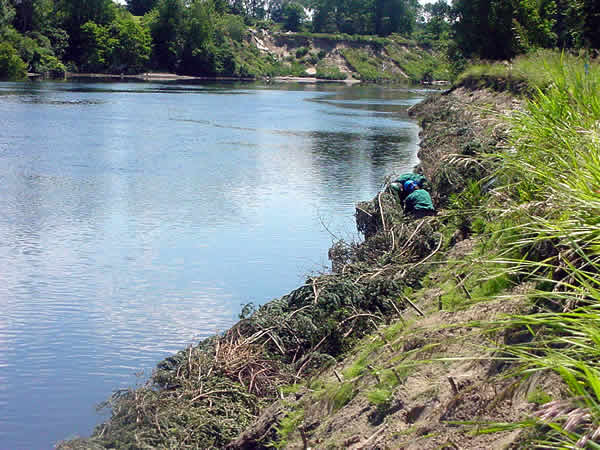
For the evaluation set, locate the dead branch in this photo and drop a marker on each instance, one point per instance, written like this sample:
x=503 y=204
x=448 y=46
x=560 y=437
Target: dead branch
x=416 y=308
x=209 y=393
x=364 y=444
x=363 y=211
x=433 y=253
x=359 y=315
x=381 y=211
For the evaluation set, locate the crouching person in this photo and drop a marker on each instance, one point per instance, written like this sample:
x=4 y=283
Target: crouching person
x=417 y=202
x=397 y=186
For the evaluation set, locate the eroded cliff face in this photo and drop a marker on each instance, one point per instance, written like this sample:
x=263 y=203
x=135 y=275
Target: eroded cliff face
x=393 y=61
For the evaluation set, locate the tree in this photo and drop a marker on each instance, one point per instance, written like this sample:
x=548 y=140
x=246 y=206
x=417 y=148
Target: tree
x=140 y=7
x=435 y=22
x=198 y=48
x=73 y=14
x=395 y=16
x=293 y=16
x=33 y=15
x=132 y=52
x=12 y=66
x=123 y=46
x=345 y=16
x=592 y=23
x=166 y=29
x=7 y=14
x=500 y=29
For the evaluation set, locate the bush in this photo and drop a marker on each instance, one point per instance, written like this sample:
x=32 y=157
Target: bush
x=300 y=52
x=234 y=27
x=312 y=59
x=12 y=66
x=327 y=72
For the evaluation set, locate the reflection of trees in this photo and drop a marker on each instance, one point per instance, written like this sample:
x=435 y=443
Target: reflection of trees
x=374 y=152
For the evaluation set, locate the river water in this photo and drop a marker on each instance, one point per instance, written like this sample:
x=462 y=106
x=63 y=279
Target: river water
x=136 y=218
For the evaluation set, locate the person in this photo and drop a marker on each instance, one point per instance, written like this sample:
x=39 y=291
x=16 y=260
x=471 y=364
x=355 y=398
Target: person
x=397 y=186
x=418 y=202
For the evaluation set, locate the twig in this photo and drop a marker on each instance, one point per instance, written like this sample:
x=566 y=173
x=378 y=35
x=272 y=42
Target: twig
x=413 y=234
x=453 y=385
x=254 y=375
x=373 y=436
x=358 y=315
x=362 y=210
x=209 y=393
x=297 y=311
x=396 y=308
x=338 y=376
x=433 y=253
x=328 y=230
x=316 y=291
x=461 y=283
x=421 y=313
x=381 y=211
x=311 y=352
x=348 y=333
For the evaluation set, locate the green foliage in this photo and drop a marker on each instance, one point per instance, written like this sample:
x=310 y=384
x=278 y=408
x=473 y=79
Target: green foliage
x=7 y=14
x=122 y=47
x=343 y=395
x=544 y=223
x=233 y=26
x=497 y=29
x=288 y=425
x=71 y=15
x=35 y=50
x=328 y=72
x=368 y=68
x=538 y=396
x=419 y=65
x=379 y=396
x=140 y=7
x=11 y=66
x=292 y=16
x=300 y=52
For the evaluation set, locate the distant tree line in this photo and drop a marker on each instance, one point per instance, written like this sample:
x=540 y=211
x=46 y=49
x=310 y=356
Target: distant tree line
x=207 y=36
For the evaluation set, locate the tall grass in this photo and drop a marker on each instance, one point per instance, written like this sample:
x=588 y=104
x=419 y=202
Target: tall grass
x=548 y=190
x=538 y=69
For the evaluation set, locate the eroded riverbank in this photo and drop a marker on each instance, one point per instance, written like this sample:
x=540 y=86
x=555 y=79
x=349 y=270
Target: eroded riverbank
x=208 y=394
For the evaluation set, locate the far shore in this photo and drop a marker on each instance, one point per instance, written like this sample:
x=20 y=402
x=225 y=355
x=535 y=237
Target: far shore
x=163 y=76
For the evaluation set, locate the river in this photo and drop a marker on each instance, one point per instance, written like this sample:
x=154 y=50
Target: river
x=137 y=218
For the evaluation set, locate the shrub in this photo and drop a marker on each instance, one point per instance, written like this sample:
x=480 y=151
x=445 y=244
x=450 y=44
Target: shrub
x=12 y=66
x=327 y=72
x=300 y=52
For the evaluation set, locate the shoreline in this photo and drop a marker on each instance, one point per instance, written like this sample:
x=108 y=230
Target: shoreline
x=156 y=76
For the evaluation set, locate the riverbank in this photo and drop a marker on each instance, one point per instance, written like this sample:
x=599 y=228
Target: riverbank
x=159 y=77
x=431 y=333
